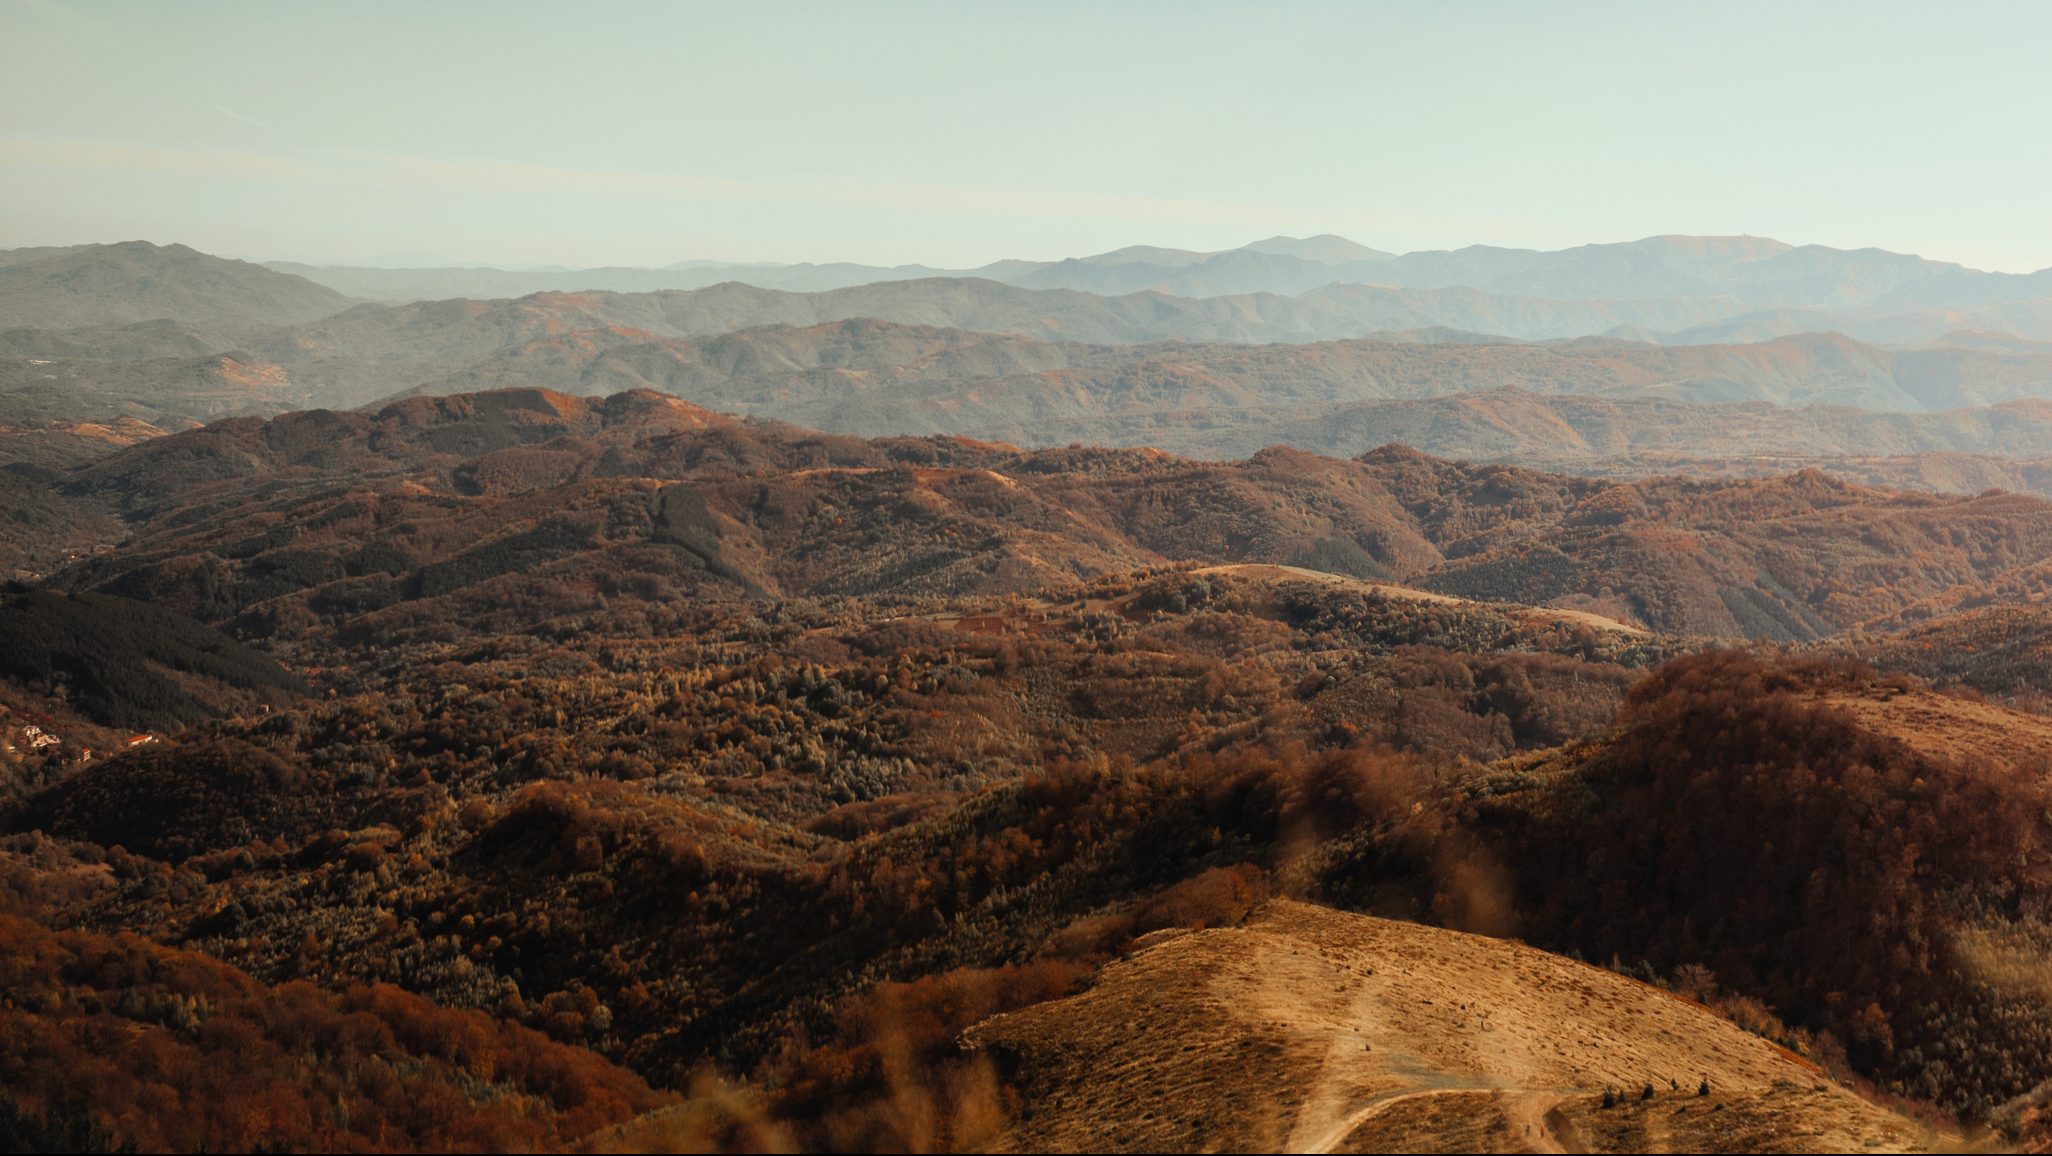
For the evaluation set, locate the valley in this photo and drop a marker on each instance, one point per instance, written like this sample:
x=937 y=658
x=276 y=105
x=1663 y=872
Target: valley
x=574 y=716
x=1109 y=704
x=941 y=578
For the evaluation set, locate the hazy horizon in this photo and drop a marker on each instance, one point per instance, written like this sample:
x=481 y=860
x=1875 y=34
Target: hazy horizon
x=398 y=261
x=741 y=602
x=523 y=136
x=432 y=260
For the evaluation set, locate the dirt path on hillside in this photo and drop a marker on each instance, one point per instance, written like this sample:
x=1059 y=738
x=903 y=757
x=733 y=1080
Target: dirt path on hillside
x=1413 y=594
x=1311 y=1030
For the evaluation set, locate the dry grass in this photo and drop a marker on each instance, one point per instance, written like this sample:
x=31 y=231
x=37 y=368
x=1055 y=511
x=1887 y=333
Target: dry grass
x=1530 y=614
x=1948 y=727
x=1313 y=1030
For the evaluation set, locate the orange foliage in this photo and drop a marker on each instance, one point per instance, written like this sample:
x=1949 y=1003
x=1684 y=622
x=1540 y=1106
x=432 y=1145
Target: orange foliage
x=169 y=1049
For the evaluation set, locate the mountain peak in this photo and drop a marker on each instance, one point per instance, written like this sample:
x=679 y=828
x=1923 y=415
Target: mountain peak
x=1743 y=247
x=1145 y=254
x=138 y=281
x=1325 y=248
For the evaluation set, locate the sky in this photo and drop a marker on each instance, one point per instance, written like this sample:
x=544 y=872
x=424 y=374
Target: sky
x=955 y=134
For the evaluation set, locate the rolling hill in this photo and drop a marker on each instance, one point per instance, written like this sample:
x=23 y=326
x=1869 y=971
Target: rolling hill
x=866 y=793
x=375 y=351
x=1310 y=1030
x=136 y=281
x=1613 y=405
x=335 y=514
x=1754 y=273
x=1756 y=812
x=1034 y=821
x=873 y=378
x=129 y=664
x=166 y=333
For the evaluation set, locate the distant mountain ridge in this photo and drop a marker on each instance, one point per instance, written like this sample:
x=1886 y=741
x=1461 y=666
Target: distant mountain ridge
x=136 y=281
x=985 y=359
x=1756 y=272
x=867 y=366
x=426 y=497
x=165 y=335
x=1669 y=290
x=1577 y=405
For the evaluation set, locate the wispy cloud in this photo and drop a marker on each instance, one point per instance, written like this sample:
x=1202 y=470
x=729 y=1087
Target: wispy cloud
x=244 y=117
x=654 y=197
x=50 y=9
x=343 y=167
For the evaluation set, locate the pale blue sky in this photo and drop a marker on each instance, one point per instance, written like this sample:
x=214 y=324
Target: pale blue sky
x=954 y=134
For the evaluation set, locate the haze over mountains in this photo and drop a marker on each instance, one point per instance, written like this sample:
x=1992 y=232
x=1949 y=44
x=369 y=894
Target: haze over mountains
x=67 y=288
x=528 y=479
x=1670 y=288
x=1605 y=358
x=505 y=702
x=1755 y=272
x=1071 y=677
x=531 y=678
